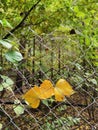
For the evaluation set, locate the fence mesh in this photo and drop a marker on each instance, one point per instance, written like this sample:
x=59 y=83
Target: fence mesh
x=52 y=56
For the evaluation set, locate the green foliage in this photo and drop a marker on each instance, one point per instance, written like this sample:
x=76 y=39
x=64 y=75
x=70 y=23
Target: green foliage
x=13 y=56
x=50 y=24
x=52 y=21
x=61 y=122
x=7 y=83
x=5 y=23
x=48 y=102
x=5 y=44
x=1 y=126
x=18 y=108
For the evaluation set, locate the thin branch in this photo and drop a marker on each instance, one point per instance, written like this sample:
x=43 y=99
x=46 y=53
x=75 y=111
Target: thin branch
x=67 y=104
x=22 y=21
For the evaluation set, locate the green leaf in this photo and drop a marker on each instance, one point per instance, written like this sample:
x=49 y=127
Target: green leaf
x=1 y=22
x=1 y=126
x=76 y=9
x=0 y=68
x=1 y=87
x=13 y=56
x=45 y=102
x=18 y=110
x=81 y=14
x=5 y=44
x=7 y=86
x=16 y=101
x=7 y=83
x=1 y=10
x=7 y=79
x=5 y=23
x=94 y=81
x=76 y=120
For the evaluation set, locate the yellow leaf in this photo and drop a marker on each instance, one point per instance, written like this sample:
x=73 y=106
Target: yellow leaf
x=62 y=88
x=32 y=97
x=46 y=89
x=59 y=96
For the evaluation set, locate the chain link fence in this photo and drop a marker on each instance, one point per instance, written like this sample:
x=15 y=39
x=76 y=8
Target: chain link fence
x=51 y=56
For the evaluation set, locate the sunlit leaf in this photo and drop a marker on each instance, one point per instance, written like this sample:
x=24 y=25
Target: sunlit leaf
x=7 y=83
x=45 y=102
x=46 y=89
x=93 y=81
x=62 y=88
x=5 y=23
x=32 y=97
x=1 y=87
x=5 y=44
x=18 y=110
x=59 y=96
x=16 y=101
x=13 y=56
x=1 y=126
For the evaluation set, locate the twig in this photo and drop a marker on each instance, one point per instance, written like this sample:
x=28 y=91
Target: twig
x=67 y=104
x=22 y=21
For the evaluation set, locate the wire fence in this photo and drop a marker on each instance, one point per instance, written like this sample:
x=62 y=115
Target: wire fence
x=51 y=57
